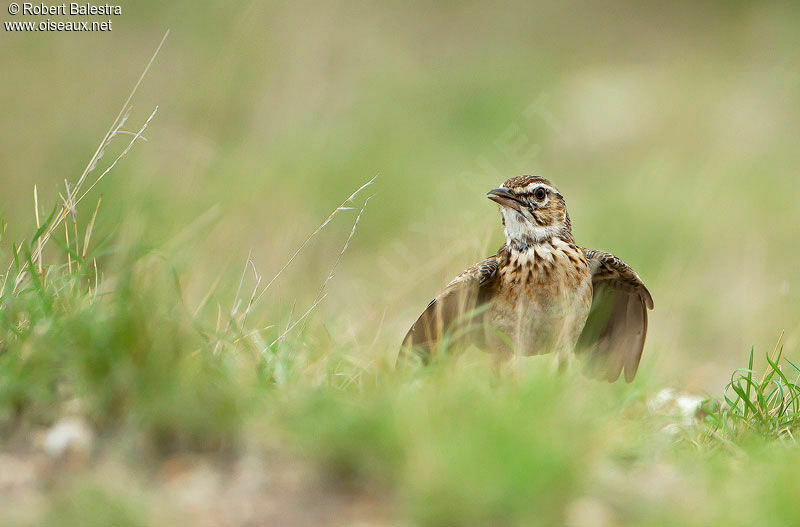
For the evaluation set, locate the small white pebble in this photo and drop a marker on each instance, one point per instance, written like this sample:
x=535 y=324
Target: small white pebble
x=68 y=435
x=688 y=404
x=662 y=398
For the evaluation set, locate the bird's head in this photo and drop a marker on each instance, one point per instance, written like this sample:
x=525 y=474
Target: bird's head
x=533 y=211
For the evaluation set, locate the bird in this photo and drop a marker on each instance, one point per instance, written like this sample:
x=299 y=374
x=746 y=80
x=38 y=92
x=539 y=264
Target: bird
x=540 y=293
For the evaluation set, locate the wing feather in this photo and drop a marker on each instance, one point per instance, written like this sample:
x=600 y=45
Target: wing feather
x=454 y=312
x=613 y=337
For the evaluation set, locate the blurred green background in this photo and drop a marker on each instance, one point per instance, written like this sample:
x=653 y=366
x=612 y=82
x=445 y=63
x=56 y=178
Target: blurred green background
x=670 y=129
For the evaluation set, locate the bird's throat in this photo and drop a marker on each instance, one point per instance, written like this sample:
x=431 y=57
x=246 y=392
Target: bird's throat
x=522 y=231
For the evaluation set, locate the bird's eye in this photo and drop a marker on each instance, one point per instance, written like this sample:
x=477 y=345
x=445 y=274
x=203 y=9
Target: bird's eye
x=540 y=193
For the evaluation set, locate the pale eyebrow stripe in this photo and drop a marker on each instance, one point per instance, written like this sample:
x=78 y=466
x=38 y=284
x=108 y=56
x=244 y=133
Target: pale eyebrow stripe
x=533 y=186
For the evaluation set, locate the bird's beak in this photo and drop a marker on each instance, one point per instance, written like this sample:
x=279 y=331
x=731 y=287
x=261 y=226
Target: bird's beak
x=505 y=198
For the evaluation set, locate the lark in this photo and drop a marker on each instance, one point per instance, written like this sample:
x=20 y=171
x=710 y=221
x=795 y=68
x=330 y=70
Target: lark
x=541 y=293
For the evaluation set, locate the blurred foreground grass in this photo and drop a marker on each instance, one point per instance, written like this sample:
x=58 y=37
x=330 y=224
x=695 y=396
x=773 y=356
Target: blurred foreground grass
x=163 y=395
x=670 y=130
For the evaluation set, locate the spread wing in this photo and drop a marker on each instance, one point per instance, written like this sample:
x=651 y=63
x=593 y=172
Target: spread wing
x=614 y=334
x=455 y=312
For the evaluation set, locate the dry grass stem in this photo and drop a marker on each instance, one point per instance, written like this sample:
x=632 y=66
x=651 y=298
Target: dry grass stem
x=89 y=228
x=38 y=225
x=238 y=316
x=321 y=294
x=69 y=202
x=338 y=209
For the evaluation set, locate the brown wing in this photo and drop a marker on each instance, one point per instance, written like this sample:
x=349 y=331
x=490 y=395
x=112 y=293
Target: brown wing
x=455 y=313
x=614 y=334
